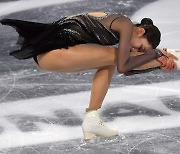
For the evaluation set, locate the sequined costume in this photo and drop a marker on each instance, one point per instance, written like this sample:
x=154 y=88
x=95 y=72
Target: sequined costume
x=36 y=38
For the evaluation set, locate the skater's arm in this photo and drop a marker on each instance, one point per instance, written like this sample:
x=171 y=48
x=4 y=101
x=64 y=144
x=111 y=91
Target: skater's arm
x=152 y=64
x=164 y=63
x=125 y=62
x=167 y=64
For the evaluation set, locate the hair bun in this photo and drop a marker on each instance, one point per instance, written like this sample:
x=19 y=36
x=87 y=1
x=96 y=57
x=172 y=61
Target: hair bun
x=146 y=21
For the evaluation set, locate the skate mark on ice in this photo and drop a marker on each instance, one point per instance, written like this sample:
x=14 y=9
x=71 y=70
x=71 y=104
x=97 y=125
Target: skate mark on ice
x=147 y=143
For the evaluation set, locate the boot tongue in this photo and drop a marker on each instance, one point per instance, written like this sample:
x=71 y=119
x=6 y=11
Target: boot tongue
x=88 y=109
x=92 y=113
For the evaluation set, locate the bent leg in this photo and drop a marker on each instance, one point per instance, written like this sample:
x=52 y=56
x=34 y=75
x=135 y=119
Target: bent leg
x=92 y=124
x=100 y=85
x=77 y=58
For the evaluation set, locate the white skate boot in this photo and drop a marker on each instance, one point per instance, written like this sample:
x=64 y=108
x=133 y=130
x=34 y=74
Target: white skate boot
x=93 y=126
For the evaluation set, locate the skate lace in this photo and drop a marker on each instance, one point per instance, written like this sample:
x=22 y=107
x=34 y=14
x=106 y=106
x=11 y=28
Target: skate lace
x=102 y=123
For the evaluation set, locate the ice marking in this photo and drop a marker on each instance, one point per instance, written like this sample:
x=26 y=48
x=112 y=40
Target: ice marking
x=45 y=119
x=26 y=123
x=126 y=109
x=12 y=85
x=148 y=145
x=134 y=147
x=172 y=102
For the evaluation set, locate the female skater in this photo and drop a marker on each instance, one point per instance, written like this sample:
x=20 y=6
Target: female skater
x=82 y=42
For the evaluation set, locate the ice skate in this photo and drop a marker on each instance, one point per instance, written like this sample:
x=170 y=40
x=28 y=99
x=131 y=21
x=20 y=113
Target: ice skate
x=93 y=126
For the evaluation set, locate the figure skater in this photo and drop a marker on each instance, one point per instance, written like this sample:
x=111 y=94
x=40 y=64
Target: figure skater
x=83 y=42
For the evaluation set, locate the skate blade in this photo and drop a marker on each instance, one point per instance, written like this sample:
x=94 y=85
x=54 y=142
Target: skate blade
x=101 y=140
x=91 y=136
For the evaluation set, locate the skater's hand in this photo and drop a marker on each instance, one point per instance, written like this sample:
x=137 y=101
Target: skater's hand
x=164 y=51
x=170 y=65
x=167 y=61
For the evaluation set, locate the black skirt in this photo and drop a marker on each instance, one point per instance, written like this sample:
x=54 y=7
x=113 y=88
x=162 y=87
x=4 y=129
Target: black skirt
x=36 y=38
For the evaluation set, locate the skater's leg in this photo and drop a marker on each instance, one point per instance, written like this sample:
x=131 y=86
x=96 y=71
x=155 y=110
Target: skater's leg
x=100 y=85
x=92 y=124
x=77 y=58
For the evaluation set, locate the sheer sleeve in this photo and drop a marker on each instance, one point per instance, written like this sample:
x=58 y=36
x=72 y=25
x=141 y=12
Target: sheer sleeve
x=133 y=72
x=125 y=62
x=136 y=61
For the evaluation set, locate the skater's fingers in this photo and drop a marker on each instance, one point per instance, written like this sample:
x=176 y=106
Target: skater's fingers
x=162 y=60
x=167 y=54
x=170 y=65
x=172 y=56
x=165 y=69
x=165 y=49
x=175 y=66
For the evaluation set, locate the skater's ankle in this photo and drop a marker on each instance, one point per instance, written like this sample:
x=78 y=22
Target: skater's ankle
x=91 y=109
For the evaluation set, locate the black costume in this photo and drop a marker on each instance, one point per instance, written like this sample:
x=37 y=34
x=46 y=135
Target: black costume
x=36 y=38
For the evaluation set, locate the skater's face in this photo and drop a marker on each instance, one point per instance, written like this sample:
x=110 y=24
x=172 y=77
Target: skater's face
x=138 y=41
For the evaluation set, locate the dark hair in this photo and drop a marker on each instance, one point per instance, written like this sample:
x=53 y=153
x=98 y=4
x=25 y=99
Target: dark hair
x=152 y=33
